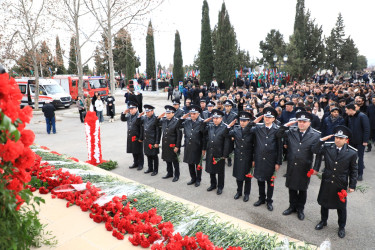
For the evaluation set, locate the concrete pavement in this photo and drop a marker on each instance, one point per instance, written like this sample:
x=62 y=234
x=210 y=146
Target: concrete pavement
x=70 y=139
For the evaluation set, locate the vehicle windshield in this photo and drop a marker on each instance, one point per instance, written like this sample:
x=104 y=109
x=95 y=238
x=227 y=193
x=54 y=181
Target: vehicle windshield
x=53 y=89
x=42 y=91
x=98 y=83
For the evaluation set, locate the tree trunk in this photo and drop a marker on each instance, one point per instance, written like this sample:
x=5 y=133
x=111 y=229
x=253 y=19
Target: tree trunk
x=36 y=74
x=110 y=52
x=79 y=60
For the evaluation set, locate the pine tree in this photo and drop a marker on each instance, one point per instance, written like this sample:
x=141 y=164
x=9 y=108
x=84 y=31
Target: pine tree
x=206 y=54
x=150 y=52
x=100 y=67
x=272 y=45
x=124 y=55
x=225 y=47
x=178 y=72
x=59 y=61
x=45 y=59
x=72 y=69
x=334 y=45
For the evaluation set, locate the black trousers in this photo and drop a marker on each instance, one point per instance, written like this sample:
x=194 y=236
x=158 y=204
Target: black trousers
x=153 y=163
x=219 y=183
x=341 y=213
x=138 y=159
x=247 y=186
x=81 y=115
x=262 y=191
x=176 y=166
x=196 y=175
x=297 y=199
x=229 y=160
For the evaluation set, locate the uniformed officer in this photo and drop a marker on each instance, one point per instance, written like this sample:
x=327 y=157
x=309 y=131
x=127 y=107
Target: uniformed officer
x=243 y=155
x=134 y=142
x=171 y=142
x=341 y=171
x=151 y=138
x=301 y=143
x=179 y=111
x=194 y=142
x=217 y=141
x=208 y=113
x=267 y=154
x=228 y=117
x=203 y=104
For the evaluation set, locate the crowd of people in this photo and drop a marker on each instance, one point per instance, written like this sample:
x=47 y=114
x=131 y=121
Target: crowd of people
x=260 y=126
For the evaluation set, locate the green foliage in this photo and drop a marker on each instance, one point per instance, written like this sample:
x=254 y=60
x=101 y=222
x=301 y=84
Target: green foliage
x=360 y=63
x=150 y=52
x=224 y=44
x=335 y=43
x=178 y=72
x=59 y=61
x=72 y=69
x=109 y=165
x=206 y=54
x=46 y=60
x=273 y=45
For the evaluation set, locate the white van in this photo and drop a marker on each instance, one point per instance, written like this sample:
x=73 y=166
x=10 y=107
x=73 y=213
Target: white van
x=49 y=89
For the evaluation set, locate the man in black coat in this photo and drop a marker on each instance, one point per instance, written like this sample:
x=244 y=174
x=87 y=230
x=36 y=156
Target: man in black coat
x=194 y=141
x=243 y=155
x=171 y=142
x=360 y=124
x=340 y=172
x=179 y=112
x=228 y=117
x=301 y=143
x=217 y=145
x=49 y=113
x=288 y=113
x=332 y=121
x=267 y=154
x=134 y=142
x=151 y=134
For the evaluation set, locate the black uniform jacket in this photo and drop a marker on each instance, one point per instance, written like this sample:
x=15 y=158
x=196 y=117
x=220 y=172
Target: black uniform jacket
x=340 y=170
x=300 y=155
x=171 y=138
x=151 y=134
x=134 y=134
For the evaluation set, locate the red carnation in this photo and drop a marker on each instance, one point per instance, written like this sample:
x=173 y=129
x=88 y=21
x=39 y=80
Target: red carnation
x=342 y=195
x=214 y=161
x=134 y=138
x=11 y=150
x=172 y=145
x=150 y=146
x=249 y=175
x=27 y=137
x=311 y=171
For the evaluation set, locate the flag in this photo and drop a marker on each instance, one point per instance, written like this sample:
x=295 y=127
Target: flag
x=15 y=73
x=241 y=72
x=193 y=73
x=32 y=72
x=236 y=73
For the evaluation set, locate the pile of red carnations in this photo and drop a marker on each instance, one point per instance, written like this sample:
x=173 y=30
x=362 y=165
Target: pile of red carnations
x=118 y=215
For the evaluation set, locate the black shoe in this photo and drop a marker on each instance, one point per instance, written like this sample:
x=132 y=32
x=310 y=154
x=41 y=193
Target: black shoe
x=284 y=175
x=300 y=215
x=289 y=211
x=229 y=163
x=211 y=188
x=219 y=191
x=197 y=183
x=258 y=203
x=269 y=206
x=320 y=225
x=368 y=150
x=341 y=232
x=360 y=178
x=133 y=166
x=191 y=182
x=154 y=173
x=148 y=171
x=246 y=198
x=167 y=176
x=237 y=196
x=140 y=168
x=175 y=179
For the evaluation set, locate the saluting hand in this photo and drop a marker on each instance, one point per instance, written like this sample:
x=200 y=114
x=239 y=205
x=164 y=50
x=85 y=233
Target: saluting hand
x=208 y=119
x=185 y=116
x=141 y=114
x=126 y=111
x=162 y=115
x=258 y=119
x=326 y=138
x=288 y=124
x=232 y=123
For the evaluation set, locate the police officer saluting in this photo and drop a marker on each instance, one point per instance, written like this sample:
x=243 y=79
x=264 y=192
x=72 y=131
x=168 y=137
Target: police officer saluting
x=301 y=143
x=208 y=113
x=134 y=142
x=179 y=111
x=341 y=170
x=243 y=155
x=217 y=150
x=151 y=138
x=267 y=155
x=194 y=136
x=171 y=142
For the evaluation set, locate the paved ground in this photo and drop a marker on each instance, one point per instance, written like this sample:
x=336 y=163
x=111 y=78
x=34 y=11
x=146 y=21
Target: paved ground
x=70 y=140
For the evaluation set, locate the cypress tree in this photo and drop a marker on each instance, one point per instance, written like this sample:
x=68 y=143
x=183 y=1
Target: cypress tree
x=150 y=52
x=206 y=55
x=225 y=48
x=45 y=59
x=178 y=72
x=59 y=61
x=72 y=69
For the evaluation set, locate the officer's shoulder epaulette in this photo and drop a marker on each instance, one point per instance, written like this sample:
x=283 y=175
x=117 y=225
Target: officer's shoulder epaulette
x=316 y=130
x=353 y=148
